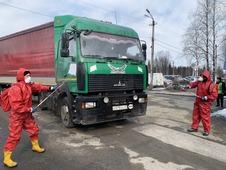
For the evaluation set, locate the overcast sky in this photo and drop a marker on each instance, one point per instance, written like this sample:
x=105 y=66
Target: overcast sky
x=171 y=17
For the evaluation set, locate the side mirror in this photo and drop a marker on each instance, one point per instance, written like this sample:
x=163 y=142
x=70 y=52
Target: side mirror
x=144 y=50
x=144 y=47
x=64 y=44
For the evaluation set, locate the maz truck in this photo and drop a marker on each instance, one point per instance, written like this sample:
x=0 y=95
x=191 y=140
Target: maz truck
x=101 y=66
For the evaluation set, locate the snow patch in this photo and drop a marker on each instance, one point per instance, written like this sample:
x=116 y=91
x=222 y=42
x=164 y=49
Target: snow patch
x=151 y=163
x=219 y=113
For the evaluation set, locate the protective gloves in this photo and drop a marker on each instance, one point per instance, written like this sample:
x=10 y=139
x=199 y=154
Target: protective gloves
x=187 y=87
x=53 y=88
x=33 y=109
x=204 y=98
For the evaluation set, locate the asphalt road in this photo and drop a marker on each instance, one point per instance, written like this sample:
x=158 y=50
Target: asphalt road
x=158 y=140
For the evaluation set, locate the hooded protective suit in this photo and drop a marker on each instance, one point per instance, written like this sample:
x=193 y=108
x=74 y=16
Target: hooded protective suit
x=202 y=108
x=20 y=97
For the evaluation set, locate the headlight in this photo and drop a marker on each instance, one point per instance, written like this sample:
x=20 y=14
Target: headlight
x=89 y=105
x=106 y=100
x=135 y=97
x=142 y=100
x=130 y=106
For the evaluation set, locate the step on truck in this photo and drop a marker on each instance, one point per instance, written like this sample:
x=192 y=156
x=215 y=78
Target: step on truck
x=101 y=65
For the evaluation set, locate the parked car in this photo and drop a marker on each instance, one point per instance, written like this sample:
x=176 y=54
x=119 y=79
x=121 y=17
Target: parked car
x=182 y=81
x=172 y=77
x=167 y=82
x=191 y=78
x=177 y=81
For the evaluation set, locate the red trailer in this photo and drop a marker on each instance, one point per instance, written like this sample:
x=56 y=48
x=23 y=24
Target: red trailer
x=32 y=49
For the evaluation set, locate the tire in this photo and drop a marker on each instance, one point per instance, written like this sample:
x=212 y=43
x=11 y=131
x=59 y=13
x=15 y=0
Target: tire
x=65 y=114
x=41 y=97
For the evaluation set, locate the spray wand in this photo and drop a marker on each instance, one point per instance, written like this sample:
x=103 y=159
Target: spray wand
x=49 y=96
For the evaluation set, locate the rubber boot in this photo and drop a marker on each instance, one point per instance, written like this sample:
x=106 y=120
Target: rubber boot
x=8 y=161
x=35 y=146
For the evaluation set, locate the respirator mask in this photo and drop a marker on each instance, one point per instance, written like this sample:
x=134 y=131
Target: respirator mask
x=200 y=78
x=28 y=80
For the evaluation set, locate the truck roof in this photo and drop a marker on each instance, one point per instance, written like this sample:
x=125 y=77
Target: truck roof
x=95 y=25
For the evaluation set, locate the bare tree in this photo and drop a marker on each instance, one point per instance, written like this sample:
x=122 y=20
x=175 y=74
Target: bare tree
x=192 y=41
x=202 y=37
x=202 y=16
x=162 y=61
x=223 y=47
x=217 y=21
x=214 y=34
x=222 y=59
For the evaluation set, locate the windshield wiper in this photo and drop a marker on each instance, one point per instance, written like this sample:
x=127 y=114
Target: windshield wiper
x=112 y=58
x=94 y=55
x=132 y=60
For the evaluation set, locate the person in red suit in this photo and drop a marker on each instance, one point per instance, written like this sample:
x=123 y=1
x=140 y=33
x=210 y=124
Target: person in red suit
x=206 y=93
x=20 y=98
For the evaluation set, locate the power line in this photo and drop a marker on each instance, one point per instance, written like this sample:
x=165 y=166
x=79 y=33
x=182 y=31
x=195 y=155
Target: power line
x=85 y=5
x=168 y=29
x=26 y=10
x=165 y=44
x=102 y=10
x=169 y=49
x=168 y=44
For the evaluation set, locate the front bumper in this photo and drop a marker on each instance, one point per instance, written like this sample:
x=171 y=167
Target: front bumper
x=120 y=106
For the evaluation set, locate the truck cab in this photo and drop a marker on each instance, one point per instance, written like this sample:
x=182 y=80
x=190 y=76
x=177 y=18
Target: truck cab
x=103 y=68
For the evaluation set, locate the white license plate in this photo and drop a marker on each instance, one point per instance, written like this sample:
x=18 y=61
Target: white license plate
x=122 y=107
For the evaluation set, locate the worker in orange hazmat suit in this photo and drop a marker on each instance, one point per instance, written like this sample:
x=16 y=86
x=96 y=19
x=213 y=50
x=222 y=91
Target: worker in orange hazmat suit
x=20 y=98
x=206 y=93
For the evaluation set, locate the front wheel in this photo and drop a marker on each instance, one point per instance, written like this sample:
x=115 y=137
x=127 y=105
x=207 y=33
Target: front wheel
x=65 y=113
x=41 y=97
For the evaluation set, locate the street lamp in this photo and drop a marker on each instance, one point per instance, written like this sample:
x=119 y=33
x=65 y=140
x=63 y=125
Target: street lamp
x=152 y=45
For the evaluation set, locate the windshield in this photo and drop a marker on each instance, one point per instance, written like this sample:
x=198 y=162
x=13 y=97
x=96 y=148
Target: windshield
x=101 y=45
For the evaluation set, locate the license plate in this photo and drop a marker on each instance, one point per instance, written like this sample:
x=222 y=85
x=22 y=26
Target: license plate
x=122 y=107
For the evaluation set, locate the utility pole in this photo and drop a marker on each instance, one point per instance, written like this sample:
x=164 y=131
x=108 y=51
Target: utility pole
x=215 y=65
x=152 y=45
x=173 y=67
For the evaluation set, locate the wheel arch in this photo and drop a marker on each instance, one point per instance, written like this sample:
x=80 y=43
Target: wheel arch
x=63 y=92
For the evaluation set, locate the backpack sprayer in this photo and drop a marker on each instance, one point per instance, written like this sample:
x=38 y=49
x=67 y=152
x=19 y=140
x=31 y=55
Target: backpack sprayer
x=49 y=96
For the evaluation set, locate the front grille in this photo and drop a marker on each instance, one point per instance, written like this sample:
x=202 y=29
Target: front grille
x=115 y=82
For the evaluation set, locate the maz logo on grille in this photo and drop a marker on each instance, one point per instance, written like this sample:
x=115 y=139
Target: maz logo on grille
x=119 y=84
x=117 y=69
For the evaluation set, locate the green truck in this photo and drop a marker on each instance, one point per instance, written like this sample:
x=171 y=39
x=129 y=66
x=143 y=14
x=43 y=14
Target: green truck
x=101 y=66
